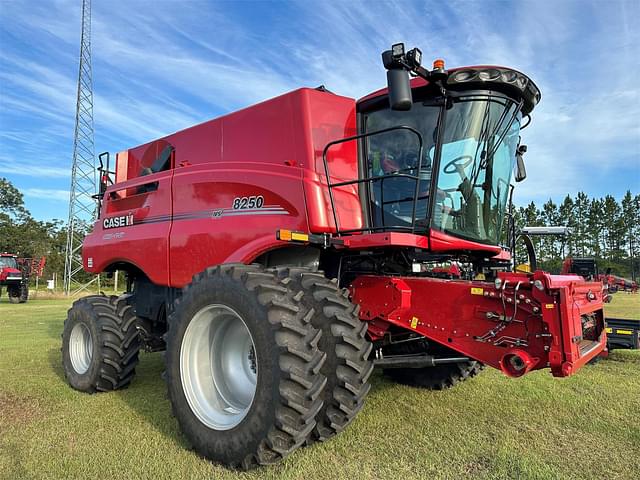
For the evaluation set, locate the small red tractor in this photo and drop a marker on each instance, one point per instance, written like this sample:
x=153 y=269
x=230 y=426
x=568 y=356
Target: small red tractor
x=13 y=278
x=279 y=253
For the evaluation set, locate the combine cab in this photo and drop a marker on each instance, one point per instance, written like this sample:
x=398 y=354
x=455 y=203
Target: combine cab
x=279 y=253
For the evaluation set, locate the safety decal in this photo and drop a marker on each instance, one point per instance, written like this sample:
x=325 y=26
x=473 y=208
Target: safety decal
x=624 y=332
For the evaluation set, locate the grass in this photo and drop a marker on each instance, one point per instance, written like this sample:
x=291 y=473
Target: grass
x=585 y=426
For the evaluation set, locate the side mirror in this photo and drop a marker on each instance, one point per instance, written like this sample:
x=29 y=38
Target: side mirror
x=400 y=97
x=521 y=171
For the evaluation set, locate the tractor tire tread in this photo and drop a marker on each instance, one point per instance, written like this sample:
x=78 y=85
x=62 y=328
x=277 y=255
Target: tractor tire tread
x=119 y=340
x=348 y=367
x=300 y=362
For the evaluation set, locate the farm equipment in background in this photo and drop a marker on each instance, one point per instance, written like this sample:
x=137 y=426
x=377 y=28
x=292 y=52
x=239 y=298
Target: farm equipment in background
x=15 y=273
x=588 y=268
x=622 y=333
x=280 y=252
x=617 y=283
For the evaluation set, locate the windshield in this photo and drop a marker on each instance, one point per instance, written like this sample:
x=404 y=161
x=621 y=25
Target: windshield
x=476 y=161
x=8 y=262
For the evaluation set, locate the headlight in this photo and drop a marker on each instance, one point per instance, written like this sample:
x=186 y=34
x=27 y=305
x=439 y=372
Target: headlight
x=509 y=81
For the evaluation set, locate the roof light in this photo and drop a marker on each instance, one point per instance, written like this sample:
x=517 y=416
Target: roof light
x=397 y=50
x=489 y=74
x=414 y=57
x=499 y=78
x=438 y=64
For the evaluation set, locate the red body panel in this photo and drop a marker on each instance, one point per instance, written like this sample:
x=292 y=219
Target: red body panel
x=9 y=275
x=467 y=316
x=7 y=272
x=186 y=221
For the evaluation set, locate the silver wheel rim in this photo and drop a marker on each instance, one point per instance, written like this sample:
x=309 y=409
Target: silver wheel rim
x=80 y=348
x=218 y=367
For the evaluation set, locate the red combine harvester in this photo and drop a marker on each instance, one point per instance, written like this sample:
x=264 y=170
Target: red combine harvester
x=280 y=252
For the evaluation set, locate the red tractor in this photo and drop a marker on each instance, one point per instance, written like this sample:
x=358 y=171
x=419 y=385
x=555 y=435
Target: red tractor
x=279 y=253
x=13 y=278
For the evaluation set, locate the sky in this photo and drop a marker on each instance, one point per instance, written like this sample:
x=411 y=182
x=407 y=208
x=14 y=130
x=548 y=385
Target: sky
x=161 y=66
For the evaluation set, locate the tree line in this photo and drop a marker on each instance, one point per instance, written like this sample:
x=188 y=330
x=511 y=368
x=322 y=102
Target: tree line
x=603 y=228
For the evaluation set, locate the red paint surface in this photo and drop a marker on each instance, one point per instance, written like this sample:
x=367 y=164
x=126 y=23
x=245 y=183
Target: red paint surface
x=454 y=313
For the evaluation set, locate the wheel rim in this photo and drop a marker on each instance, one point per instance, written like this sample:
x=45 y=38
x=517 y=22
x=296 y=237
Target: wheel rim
x=80 y=348
x=218 y=367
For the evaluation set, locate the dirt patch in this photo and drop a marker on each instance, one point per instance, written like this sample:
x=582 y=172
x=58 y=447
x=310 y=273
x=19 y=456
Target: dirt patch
x=16 y=410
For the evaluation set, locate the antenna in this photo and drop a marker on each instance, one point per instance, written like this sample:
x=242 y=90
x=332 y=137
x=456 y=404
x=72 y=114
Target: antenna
x=82 y=206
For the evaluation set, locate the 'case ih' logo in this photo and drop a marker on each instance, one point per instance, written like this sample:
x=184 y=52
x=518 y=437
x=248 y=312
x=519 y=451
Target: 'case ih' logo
x=117 y=222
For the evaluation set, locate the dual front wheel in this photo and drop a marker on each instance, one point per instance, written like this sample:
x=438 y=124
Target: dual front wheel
x=260 y=362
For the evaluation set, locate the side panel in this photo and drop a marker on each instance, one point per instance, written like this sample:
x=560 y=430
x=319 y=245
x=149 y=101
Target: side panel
x=230 y=213
x=133 y=227
x=232 y=195
x=331 y=117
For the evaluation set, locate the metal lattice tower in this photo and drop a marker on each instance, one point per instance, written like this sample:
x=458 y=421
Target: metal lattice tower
x=82 y=207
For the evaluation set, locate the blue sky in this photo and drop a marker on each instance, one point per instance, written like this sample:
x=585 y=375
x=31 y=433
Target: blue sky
x=160 y=66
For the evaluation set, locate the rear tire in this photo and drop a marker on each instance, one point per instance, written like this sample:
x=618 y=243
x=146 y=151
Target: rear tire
x=348 y=367
x=14 y=294
x=224 y=422
x=100 y=344
x=439 y=377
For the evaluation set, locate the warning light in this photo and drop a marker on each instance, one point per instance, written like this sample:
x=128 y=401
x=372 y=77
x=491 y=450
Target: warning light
x=438 y=64
x=289 y=236
x=284 y=235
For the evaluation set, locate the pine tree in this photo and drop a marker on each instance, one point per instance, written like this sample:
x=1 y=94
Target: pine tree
x=581 y=216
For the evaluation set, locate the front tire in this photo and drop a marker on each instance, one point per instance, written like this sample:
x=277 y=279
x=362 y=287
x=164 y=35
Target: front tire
x=14 y=294
x=235 y=327
x=100 y=344
x=348 y=367
x=439 y=377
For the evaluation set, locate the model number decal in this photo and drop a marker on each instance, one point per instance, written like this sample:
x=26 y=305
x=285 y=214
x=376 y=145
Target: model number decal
x=117 y=222
x=241 y=203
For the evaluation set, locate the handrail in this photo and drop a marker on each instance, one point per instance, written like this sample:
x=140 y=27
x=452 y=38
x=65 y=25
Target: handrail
x=369 y=180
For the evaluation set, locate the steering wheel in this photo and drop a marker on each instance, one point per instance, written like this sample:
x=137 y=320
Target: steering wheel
x=458 y=164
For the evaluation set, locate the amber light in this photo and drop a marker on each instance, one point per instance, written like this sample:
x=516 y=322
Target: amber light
x=438 y=64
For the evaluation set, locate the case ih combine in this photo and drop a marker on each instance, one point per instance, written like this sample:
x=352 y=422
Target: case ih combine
x=279 y=253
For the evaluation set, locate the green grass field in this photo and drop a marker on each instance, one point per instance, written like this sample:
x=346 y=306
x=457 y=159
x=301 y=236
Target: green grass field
x=585 y=426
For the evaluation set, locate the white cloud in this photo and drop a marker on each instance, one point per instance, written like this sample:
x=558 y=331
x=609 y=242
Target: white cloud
x=46 y=194
x=34 y=170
